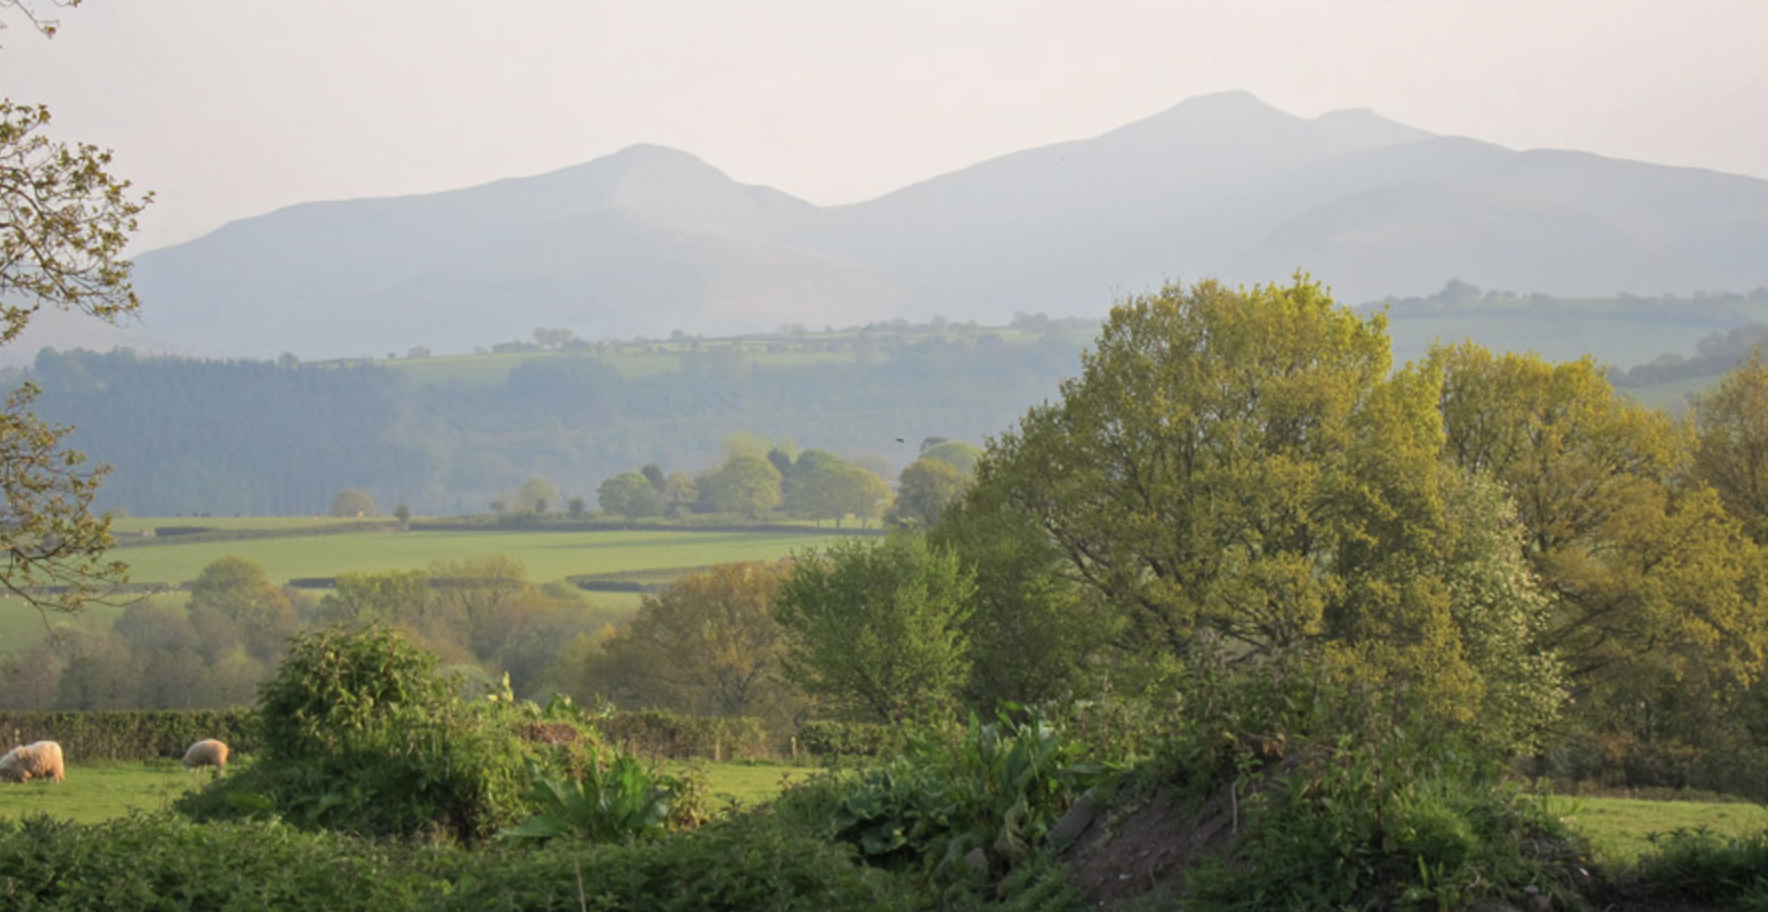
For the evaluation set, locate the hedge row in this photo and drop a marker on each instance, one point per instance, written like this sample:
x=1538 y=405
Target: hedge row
x=667 y=735
x=129 y=735
x=824 y=738
x=151 y=734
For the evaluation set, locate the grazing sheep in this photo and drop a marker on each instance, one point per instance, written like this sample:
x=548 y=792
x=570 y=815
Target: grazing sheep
x=206 y=753
x=41 y=759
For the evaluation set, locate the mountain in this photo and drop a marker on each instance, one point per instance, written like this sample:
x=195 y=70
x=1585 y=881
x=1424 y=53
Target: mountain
x=650 y=240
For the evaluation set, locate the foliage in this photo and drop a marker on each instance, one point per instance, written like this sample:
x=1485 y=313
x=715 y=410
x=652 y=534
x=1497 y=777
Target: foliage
x=629 y=495
x=64 y=221
x=1655 y=591
x=705 y=644
x=1238 y=473
x=1038 y=634
x=924 y=489
x=1351 y=802
x=678 y=736
x=1701 y=865
x=1731 y=443
x=877 y=626
x=990 y=793
x=360 y=733
x=87 y=737
x=152 y=862
x=748 y=486
x=836 y=740
x=616 y=800
x=354 y=502
x=836 y=489
x=385 y=597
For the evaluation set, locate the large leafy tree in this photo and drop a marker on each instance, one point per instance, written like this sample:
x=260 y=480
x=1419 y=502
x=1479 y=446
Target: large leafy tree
x=876 y=627
x=834 y=490
x=1655 y=592
x=1731 y=443
x=748 y=486
x=629 y=495
x=64 y=220
x=707 y=643
x=1240 y=476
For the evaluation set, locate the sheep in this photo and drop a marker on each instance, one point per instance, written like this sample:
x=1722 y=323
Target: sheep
x=41 y=759
x=206 y=753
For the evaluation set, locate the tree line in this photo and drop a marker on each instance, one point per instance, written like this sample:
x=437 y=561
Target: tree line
x=187 y=436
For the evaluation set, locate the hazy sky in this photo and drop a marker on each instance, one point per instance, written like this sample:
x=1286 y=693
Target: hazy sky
x=232 y=108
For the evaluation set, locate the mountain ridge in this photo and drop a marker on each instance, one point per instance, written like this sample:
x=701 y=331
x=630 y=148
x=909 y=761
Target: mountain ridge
x=649 y=240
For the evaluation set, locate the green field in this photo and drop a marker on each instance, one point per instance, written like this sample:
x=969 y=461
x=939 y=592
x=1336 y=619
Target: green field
x=96 y=792
x=548 y=556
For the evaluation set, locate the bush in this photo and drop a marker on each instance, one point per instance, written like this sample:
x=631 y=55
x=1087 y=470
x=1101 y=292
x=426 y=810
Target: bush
x=823 y=738
x=1347 y=808
x=161 y=862
x=662 y=734
x=1702 y=866
x=360 y=733
x=979 y=803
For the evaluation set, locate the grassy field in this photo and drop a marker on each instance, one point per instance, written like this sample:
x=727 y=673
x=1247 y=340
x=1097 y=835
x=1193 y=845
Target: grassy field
x=97 y=792
x=1620 y=829
x=548 y=556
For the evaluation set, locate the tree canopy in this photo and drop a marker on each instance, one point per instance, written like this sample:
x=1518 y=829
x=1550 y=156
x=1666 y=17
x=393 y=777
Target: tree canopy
x=1238 y=474
x=64 y=221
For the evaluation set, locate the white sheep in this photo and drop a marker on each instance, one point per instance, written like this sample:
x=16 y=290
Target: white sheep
x=206 y=753
x=41 y=759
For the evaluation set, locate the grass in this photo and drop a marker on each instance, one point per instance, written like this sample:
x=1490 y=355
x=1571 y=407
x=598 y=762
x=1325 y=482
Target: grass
x=1620 y=829
x=96 y=792
x=548 y=556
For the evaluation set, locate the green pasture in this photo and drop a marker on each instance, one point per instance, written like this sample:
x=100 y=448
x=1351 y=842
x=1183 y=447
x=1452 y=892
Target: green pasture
x=1621 y=829
x=95 y=792
x=548 y=556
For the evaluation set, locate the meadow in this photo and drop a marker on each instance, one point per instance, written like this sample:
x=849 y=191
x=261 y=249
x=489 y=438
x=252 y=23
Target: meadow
x=639 y=556
x=548 y=556
x=96 y=792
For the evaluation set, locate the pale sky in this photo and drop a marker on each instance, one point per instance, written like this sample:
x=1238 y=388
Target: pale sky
x=233 y=108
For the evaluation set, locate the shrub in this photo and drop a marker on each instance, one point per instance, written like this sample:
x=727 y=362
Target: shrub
x=162 y=862
x=980 y=802
x=359 y=733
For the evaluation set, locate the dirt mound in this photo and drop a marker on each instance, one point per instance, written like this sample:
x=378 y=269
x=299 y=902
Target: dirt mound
x=1147 y=846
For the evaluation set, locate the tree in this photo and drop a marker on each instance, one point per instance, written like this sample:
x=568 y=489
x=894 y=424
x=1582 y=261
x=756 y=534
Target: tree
x=708 y=644
x=535 y=496
x=1238 y=475
x=629 y=495
x=385 y=597
x=64 y=221
x=877 y=627
x=748 y=486
x=1037 y=633
x=468 y=593
x=1655 y=592
x=238 y=590
x=955 y=453
x=923 y=490
x=1731 y=443
x=354 y=502
x=834 y=489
